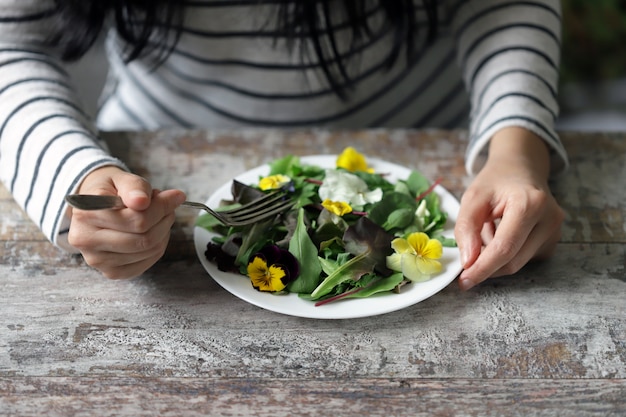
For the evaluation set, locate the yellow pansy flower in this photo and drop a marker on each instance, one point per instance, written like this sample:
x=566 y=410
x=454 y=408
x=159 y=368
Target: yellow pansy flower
x=272 y=268
x=337 y=207
x=416 y=256
x=273 y=182
x=352 y=160
x=266 y=277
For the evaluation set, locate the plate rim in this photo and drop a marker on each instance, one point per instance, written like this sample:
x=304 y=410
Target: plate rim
x=417 y=293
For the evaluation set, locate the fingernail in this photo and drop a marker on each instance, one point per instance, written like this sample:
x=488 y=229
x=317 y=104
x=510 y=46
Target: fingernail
x=138 y=194
x=465 y=284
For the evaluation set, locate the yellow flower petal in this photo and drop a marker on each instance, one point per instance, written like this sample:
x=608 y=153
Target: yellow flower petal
x=257 y=268
x=433 y=249
x=277 y=274
x=410 y=268
x=337 y=207
x=266 y=278
x=352 y=160
x=273 y=182
x=419 y=269
x=394 y=262
x=418 y=241
x=428 y=266
x=416 y=256
x=425 y=246
x=401 y=246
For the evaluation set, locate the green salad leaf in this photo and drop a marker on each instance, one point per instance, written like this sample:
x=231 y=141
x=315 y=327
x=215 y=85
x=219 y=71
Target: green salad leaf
x=305 y=251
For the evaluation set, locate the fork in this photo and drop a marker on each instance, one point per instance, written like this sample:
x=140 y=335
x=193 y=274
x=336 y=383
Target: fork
x=260 y=209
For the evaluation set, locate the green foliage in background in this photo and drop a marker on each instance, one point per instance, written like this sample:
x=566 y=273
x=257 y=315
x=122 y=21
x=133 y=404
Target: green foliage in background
x=594 y=40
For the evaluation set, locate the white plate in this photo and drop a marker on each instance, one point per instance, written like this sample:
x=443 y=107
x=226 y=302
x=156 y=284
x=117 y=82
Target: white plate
x=291 y=304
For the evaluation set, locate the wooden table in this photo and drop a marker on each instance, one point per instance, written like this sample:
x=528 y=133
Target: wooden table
x=550 y=340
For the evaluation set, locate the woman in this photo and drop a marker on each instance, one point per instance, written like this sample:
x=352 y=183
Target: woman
x=281 y=63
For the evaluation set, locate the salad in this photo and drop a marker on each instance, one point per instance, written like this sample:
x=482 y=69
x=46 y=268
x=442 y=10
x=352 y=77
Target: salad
x=350 y=232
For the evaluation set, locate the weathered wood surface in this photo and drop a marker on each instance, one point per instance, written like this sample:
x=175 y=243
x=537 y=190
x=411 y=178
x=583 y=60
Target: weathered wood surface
x=168 y=397
x=550 y=340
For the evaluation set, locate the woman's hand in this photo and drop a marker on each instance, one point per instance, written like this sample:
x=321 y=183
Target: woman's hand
x=508 y=215
x=124 y=243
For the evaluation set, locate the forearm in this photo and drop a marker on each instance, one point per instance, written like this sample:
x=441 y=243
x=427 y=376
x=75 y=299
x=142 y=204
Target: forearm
x=520 y=148
x=47 y=142
x=509 y=54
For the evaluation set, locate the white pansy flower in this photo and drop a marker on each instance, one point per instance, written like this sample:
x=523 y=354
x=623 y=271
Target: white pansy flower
x=343 y=186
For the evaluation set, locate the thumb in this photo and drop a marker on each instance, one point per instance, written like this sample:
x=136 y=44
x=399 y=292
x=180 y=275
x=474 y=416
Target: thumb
x=135 y=191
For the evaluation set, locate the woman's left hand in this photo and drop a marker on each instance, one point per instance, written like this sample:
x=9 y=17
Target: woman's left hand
x=508 y=215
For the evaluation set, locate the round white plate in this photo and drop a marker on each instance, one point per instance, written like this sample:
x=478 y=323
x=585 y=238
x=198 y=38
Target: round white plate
x=291 y=304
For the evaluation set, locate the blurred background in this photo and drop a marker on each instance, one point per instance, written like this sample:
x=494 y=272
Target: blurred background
x=593 y=67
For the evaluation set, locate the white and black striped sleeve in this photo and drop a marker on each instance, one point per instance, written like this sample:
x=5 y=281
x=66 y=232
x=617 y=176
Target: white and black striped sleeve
x=509 y=52
x=47 y=142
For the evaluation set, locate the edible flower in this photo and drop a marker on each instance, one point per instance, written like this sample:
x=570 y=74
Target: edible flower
x=421 y=213
x=274 y=182
x=346 y=187
x=272 y=268
x=352 y=160
x=416 y=256
x=337 y=207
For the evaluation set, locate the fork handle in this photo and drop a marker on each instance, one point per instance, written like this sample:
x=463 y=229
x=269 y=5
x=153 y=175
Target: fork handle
x=94 y=202
x=103 y=202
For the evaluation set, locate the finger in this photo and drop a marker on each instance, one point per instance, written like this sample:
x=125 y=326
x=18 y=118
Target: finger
x=129 y=220
x=541 y=244
x=131 y=269
x=93 y=240
x=488 y=232
x=163 y=204
x=122 y=220
x=168 y=200
x=475 y=211
x=135 y=191
x=510 y=236
x=116 y=265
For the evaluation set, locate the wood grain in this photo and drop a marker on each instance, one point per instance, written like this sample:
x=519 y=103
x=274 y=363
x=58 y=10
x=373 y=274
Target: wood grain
x=137 y=396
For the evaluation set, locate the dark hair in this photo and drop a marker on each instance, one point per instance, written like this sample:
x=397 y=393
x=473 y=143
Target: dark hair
x=140 y=22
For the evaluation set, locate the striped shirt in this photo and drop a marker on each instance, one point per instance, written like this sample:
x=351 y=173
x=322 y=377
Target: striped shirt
x=494 y=64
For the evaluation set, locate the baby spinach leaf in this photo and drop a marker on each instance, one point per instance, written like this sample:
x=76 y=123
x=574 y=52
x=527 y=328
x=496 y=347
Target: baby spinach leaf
x=302 y=247
x=370 y=244
x=289 y=165
x=417 y=183
x=366 y=287
x=351 y=270
x=329 y=266
x=399 y=219
x=379 y=285
x=253 y=239
x=391 y=202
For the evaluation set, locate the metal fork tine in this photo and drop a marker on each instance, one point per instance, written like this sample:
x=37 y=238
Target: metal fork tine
x=251 y=217
x=255 y=205
x=260 y=209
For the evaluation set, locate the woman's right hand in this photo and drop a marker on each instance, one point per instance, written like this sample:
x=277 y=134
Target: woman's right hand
x=124 y=243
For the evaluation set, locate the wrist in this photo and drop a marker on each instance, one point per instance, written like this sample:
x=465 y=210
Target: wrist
x=520 y=147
